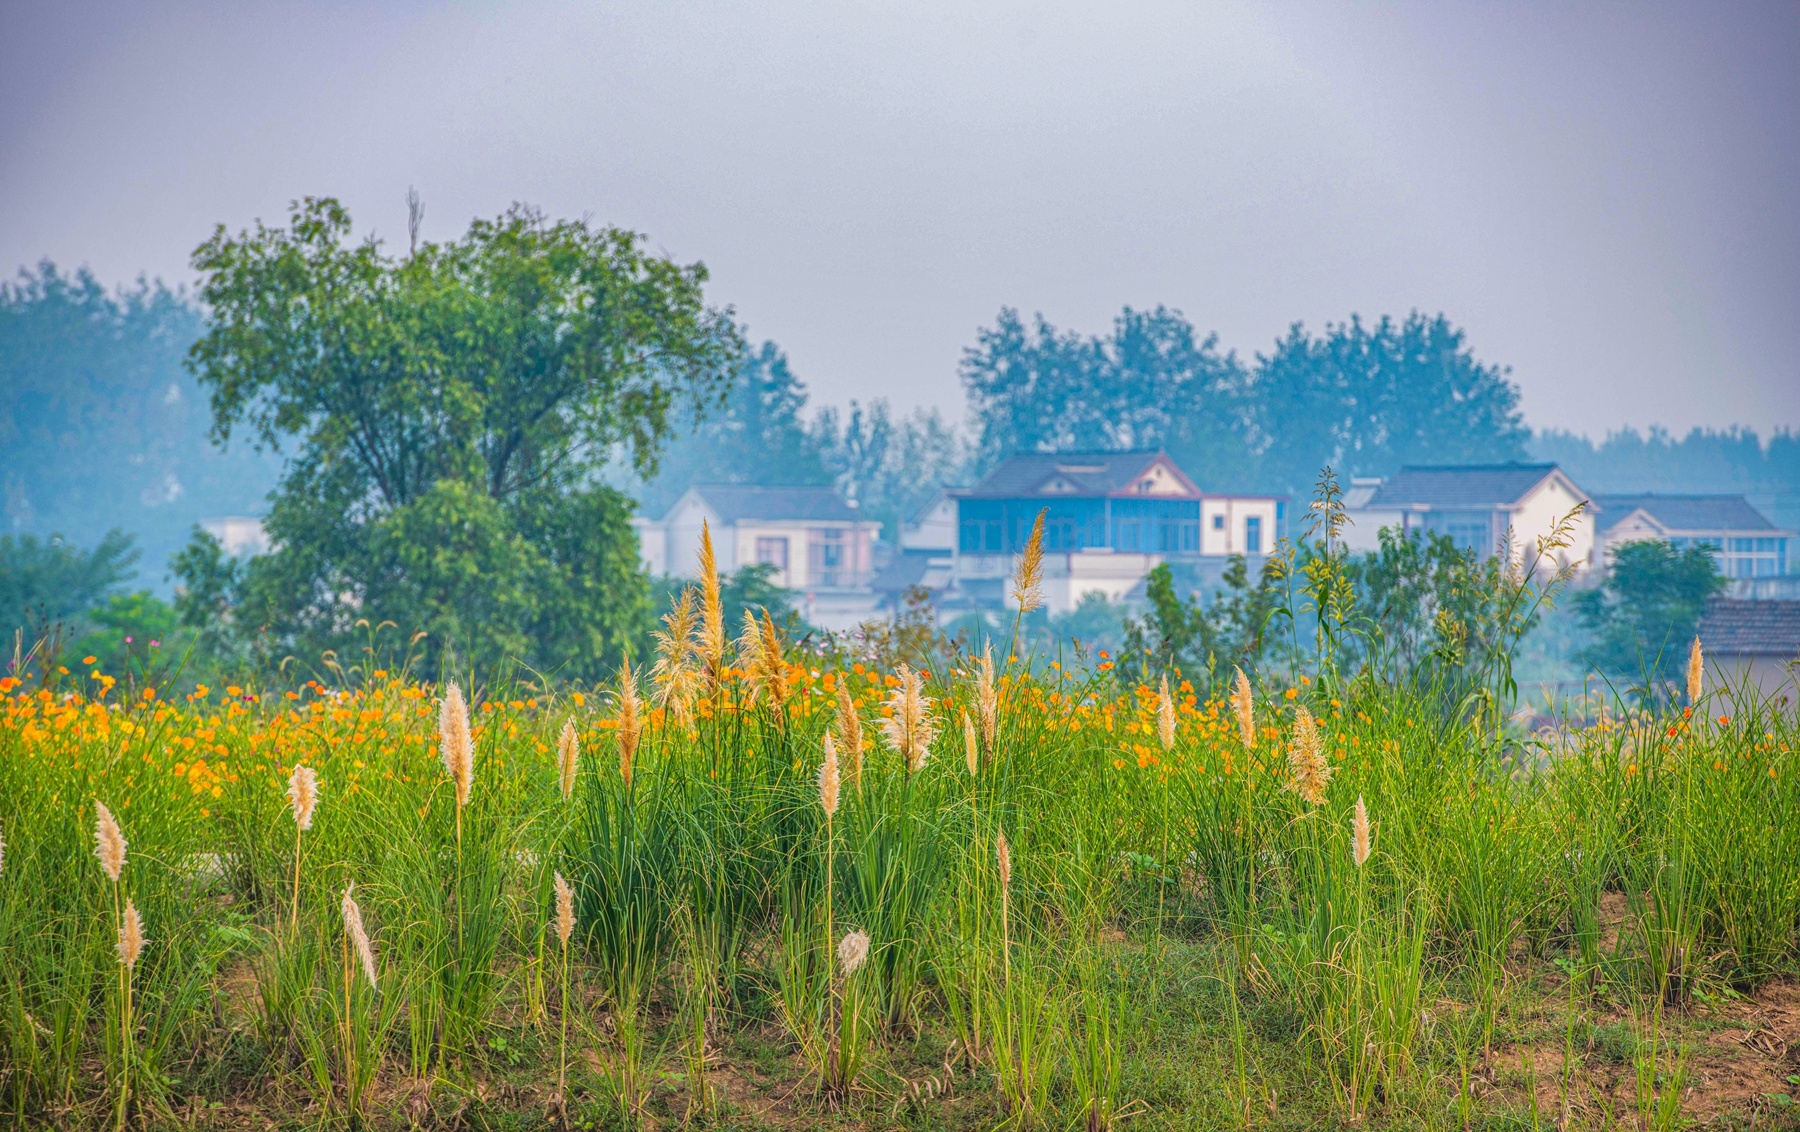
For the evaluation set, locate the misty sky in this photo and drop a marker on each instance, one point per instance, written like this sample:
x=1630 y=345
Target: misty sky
x=1605 y=196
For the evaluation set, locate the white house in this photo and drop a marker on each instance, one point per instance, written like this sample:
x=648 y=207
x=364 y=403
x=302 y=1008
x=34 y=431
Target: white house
x=1745 y=543
x=1476 y=506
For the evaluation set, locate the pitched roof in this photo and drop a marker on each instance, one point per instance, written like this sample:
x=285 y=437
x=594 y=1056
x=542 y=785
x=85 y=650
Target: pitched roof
x=1083 y=473
x=1687 y=512
x=733 y=502
x=1460 y=485
x=1755 y=628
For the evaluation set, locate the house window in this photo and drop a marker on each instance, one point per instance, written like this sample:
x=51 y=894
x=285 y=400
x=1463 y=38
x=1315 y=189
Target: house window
x=826 y=561
x=980 y=536
x=1253 y=535
x=1128 y=535
x=1218 y=522
x=773 y=552
x=1756 y=558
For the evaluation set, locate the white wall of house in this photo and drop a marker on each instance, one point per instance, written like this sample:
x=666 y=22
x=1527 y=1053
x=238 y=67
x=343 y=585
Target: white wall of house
x=1070 y=577
x=1226 y=523
x=933 y=528
x=1362 y=526
x=1537 y=513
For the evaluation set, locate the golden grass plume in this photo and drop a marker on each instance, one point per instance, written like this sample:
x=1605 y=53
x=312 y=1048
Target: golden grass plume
x=909 y=728
x=1244 y=704
x=131 y=936
x=565 y=910
x=456 y=742
x=109 y=842
x=568 y=758
x=630 y=726
x=1696 y=670
x=1308 y=768
x=1359 y=833
x=1165 y=715
x=828 y=778
x=849 y=724
x=303 y=795
x=1028 y=578
x=359 y=938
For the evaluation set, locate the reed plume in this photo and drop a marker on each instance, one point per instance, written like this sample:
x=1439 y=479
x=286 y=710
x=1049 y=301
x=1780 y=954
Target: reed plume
x=303 y=795
x=629 y=727
x=109 y=842
x=131 y=936
x=1696 y=670
x=1359 y=833
x=565 y=910
x=1003 y=858
x=712 y=613
x=760 y=656
x=1245 y=706
x=850 y=733
x=1028 y=578
x=852 y=950
x=828 y=779
x=987 y=701
x=456 y=743
x=357 y=936
x=971 y=748
x=1165 y=716
x=674 y=676
x=2 y=855
x=565 y=927
x=568 y=757
x=1307 y=764
x=909 y=728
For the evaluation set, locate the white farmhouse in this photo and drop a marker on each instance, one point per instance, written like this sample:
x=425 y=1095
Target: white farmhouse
x=1476 y=506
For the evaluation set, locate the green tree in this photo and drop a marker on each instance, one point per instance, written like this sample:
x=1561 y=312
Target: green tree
x=1648 y=609
x=46 y=582
x=448 y=413
x=886 y=467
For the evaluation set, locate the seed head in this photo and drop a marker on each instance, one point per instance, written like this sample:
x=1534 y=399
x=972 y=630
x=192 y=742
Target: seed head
x=1028 y=579
x=971 y=748
x=712 y=613
x=674 y=675
x=303 y=795
x=131 y=936
x=987 y=701
x=1244 y=702
x=1696 y=671
x=828 y=778
x=568 y=757
x=565 y=910
x=909 y=728
x=628 y=721
x=109 y=843
x=1165 y=716
x=852 y=950
x=2 y=854
x=1359 y=833
x=456 y=743
x=1003 y=856
x=359 y=939
x=1306 y=759
x=850 y=732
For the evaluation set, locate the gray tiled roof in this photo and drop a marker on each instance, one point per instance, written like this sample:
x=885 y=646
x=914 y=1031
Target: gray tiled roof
x=1755 y=628
x=1459 y=485
x=1687 y=512
x=1093 y=473
x=735 y=501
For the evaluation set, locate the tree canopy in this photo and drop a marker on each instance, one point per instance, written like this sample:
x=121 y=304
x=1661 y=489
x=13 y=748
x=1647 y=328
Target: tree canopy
x=1647 y=609
x=446 y=415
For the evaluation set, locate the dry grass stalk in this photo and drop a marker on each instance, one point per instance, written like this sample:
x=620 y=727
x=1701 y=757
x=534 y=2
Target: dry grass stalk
x=629 y=725
x=568 y=757
x=565 y=910
x=2 y=854
x=850 y=732
x=109 y=842
x=676 y=680
x=828 y=778
x=303 y=795
x=971 y=748
x=456 y=742
x=1003 y=858
x=760 y=656
x=1359 y=833
x=1028 y=579
x=1245 y=705
x=1307 y=765
x=987 y=700
x=1696 y=670
x=910 y=729
x=359 y=938
x=131 y=936
x=712 y=613
x=852 y=950
x=1165 y=715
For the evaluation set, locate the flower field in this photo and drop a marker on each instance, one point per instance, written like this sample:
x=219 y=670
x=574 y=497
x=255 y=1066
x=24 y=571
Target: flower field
x=796 y=889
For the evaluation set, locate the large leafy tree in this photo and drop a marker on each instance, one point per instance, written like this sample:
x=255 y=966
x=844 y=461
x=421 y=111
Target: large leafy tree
x=1645 y=613
x=889 y=467
x=447 y=413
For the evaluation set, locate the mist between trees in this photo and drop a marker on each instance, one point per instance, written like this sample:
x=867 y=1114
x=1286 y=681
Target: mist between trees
x=453 y=437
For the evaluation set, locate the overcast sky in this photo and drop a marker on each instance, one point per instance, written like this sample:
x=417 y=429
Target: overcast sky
x=1605 y=196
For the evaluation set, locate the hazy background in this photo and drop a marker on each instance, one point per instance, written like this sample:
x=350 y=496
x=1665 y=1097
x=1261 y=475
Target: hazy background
x=1605 y=198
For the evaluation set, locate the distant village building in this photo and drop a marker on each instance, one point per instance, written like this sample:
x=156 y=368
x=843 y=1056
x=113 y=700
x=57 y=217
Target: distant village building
x=1752 y=642
x=238 y=534
x=1745 y=543
x=1475 y=506
x=1109 y=519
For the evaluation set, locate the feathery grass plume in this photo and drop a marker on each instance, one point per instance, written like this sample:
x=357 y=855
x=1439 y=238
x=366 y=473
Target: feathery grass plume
x=850 y=732
x=1245 y=706
x=1165 y=716
x=673 y=674
x=629 y=726
x=774 y=664
x=303 y=795
x=910 y=729
x=971 y=748
x=359 y=938
x=568 y=757
x=852 y=950
x=2 y=855
x=1359 y=833
x=109 y=843
x=1696 y=670
x=828 y=778
x=1306 y=759
x=712 y=614
x=456 y=743
x=987 y=701
x=565 y=910
x=131 y=935
x=1003 y=858
x=1028 y=579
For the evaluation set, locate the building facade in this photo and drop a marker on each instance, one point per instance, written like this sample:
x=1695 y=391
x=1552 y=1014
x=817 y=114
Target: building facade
x=1745 y=544
x=813 y=538
x=1480 y=507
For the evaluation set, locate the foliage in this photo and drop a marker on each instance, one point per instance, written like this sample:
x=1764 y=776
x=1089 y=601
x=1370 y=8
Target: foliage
x=889 y=468
x=448 y=413
x=1705 y=460
x=1647 y=609
x=46 y=582
x=1201 y=641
